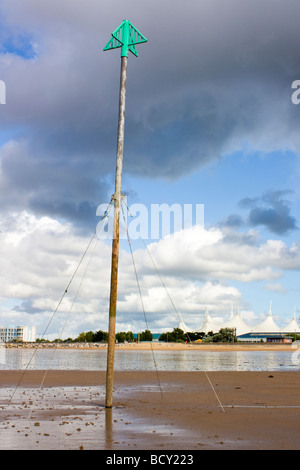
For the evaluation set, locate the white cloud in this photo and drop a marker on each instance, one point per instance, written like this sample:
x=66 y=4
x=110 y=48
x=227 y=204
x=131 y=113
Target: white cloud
x=208 y=253
x=277 y=287
x=40 y=255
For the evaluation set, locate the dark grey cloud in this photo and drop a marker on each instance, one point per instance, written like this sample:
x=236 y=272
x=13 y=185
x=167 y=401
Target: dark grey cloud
x=212 y=76
x=26 y=306
x=272 y=210
x=277 y=220
x=233 y=221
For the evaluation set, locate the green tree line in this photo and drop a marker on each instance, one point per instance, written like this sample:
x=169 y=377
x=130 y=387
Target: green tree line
x=179 y=336
x=175 y=336
x=102 y=337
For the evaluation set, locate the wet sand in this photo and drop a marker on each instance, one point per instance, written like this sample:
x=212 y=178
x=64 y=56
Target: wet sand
x=152 y=411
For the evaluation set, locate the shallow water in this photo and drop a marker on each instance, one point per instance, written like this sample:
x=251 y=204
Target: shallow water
x=58 y=359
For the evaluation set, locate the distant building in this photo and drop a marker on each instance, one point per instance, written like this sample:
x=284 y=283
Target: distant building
x=265 y=338
x=155 y=336
x=266 y=331
x=20 y=333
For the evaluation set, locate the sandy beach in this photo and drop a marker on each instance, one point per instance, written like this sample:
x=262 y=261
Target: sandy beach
x=157 y=346
x=160 y=346
x=157 y=411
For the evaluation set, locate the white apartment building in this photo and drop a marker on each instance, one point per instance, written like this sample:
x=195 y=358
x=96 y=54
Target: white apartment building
x=20 y=333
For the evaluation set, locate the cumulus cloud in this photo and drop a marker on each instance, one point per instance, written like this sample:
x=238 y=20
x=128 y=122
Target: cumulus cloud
x=40 y=255
x=211 y=253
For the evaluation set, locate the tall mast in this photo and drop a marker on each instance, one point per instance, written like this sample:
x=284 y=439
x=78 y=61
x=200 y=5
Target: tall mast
x=125 y=37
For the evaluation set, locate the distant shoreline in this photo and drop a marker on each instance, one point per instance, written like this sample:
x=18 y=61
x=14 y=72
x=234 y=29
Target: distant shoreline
x=158 y=346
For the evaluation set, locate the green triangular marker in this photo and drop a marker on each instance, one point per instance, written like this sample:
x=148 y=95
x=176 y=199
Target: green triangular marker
x=125 y=36
x=112 y=44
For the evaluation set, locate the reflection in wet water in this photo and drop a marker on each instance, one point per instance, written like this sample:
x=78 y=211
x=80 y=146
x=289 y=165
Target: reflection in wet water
x=55 y=418
x=59 y=418
x=108 y=428
x=64 y=418
x=143 y=360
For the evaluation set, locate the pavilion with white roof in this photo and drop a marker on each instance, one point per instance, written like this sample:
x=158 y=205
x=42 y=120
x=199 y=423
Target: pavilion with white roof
x=262 y=329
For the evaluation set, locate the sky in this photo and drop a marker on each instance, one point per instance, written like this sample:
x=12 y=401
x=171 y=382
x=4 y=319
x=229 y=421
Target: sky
x=210 y=122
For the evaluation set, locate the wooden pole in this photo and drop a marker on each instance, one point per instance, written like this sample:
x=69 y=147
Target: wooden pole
x=125 y=37
x=115 y=243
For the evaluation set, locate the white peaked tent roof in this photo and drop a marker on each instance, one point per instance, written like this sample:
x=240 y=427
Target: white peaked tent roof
x=268 y=325
x=292 y=326
x=235 y=321
x=208 y=324
x=182 y=326
x=238 y=323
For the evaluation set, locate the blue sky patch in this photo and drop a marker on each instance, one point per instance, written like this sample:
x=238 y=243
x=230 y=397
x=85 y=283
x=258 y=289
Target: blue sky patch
x=21 y=45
